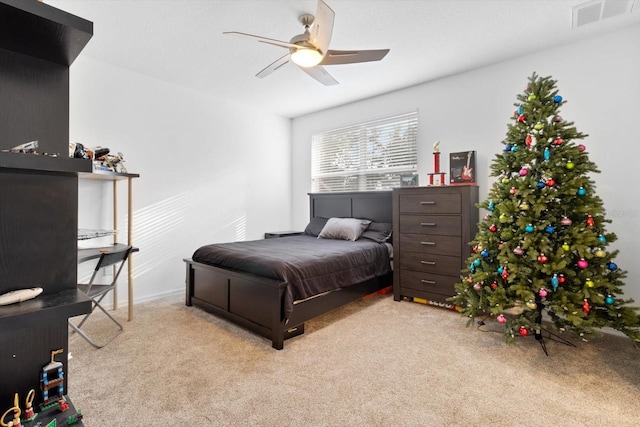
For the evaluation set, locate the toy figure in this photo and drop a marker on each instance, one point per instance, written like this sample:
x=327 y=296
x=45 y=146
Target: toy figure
x=16 y=414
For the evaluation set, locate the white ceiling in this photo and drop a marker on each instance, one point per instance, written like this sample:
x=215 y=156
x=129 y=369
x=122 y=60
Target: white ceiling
x=181 y=41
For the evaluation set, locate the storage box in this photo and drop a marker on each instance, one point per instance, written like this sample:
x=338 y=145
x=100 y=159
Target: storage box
x=462 y=166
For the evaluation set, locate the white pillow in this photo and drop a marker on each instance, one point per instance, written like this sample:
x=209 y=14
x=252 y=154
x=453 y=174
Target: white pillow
x=344 y=228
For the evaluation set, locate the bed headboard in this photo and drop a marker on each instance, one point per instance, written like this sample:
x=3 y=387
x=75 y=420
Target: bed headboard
x=372 y=205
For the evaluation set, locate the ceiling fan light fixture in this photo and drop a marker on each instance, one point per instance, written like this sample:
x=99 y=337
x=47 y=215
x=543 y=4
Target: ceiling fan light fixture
x=305 y=57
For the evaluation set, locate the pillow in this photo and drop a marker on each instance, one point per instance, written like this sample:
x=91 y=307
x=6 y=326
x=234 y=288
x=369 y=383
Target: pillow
x=378 y=232
x=315 y=226
x=344 y=228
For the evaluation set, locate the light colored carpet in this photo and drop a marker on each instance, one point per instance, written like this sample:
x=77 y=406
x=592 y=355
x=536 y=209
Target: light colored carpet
x=376 y=362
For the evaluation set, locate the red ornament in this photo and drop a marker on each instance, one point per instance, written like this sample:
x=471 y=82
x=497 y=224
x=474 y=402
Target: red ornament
x=523 y=331
x=521 y=118
x=590 y=221
x=505 y=274
x=558 y=141
x=475 y=249
x=494 y=285
x=469 y=279
x=550 y=182
x=513 y=191
x=562 y=279
x=493 y=228
x=585 y=306
x=528 y=141
x=542 y=258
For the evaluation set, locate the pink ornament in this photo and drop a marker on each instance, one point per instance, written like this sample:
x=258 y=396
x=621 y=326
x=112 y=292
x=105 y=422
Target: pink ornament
x=524 y=172
x=582 y=263
x=582 y=147
x=542 y=292
x=477 y=286
x=501 y=318
x=566 y=221
x=513 y=191
x=518 y=251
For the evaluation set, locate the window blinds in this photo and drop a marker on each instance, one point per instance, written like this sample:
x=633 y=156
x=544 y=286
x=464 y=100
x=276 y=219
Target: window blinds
x=366 y=156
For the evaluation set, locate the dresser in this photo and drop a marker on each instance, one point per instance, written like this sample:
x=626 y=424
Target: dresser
x=432 y=228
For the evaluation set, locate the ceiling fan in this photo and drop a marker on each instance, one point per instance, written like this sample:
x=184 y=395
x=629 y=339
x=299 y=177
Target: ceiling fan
x=310 y=50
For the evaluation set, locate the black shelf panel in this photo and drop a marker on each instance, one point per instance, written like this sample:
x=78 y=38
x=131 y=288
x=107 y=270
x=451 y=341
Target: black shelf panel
x=35 y=162
x=36 y=29
x=44 y=308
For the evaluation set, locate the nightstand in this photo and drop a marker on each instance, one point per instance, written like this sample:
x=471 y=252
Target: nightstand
x=275 y=234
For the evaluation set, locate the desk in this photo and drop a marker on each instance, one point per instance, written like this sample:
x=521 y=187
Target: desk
x=88 y=254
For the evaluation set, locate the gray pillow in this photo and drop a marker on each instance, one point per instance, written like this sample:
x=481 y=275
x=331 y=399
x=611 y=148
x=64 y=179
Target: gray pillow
x=344 y=228
x=378 y=232
x=315 y=226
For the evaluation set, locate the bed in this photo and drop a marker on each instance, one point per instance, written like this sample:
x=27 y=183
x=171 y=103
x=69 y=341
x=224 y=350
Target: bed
x=254 y=294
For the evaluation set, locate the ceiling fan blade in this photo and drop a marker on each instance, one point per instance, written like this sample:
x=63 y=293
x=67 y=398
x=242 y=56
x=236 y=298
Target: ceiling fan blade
x=335 y=57
x=273 y=66
x=320 y=74
x=263 y=39
x=322 y=27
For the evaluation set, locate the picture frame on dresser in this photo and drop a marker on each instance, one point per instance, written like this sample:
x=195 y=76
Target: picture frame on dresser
x=432 y=230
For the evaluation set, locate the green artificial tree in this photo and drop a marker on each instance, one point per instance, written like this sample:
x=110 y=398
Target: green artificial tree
x=541 y=252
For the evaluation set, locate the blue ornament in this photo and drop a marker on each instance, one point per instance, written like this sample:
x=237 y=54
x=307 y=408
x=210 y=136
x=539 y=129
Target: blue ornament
x=602 y=238
x=514 y=148
x=507 y=147
x=491 y=206
x=554 y=282
x=485 y=253
x=541 y=184
x=472 y=268
x=477 y=263
x=529 y=228
x=612 y=266
x=547 y=154
x=557 y=99
x=609 y=300
x=581 y=191
x=520 y=110
x=500 y=270
x=549 y=229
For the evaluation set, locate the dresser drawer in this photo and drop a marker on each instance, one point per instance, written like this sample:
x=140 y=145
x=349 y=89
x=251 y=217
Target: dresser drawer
x=430 y=263
x=442 y=203
x=431 y=224
x=431 y=244
x=428 y=282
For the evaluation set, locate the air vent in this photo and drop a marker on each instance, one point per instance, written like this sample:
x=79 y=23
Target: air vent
x=597 y=10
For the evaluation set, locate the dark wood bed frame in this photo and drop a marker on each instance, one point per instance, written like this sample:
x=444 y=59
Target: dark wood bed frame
x=257 y=303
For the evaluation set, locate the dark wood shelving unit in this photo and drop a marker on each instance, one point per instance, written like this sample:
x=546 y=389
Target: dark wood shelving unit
x=38 y=193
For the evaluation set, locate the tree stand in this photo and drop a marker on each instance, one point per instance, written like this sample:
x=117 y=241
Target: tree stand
x=539 y=334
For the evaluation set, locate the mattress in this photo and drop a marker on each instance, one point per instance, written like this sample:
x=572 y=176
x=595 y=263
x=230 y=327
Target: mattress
x=308 y=264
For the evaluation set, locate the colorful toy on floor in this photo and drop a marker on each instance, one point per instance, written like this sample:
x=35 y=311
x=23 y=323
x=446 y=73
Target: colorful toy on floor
x=52 y=382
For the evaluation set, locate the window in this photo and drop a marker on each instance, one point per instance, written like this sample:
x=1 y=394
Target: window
x=367 y=156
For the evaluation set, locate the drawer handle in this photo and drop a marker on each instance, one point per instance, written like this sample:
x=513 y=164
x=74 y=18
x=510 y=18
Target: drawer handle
x=428 y=262
x=428 y=243
x=427 y=203
x=428 y=282
x=428 y=224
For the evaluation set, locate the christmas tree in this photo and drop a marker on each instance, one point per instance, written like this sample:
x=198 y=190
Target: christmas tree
x=541 y=252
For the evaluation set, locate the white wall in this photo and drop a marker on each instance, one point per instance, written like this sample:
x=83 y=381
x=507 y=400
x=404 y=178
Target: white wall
x=209 y=171
x=600 y=80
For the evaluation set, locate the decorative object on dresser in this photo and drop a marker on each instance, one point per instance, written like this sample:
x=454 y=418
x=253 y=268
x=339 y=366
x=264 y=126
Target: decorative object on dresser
x=432 y=228
x=436 y=177
x=462 y=166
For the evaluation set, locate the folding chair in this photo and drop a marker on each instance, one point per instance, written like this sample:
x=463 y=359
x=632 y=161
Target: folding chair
x=96 y=292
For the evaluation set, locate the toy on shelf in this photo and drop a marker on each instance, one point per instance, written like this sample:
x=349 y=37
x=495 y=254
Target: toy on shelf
x=52 y=379
x=436 y=177
x=16 y=415
x=29 y=413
